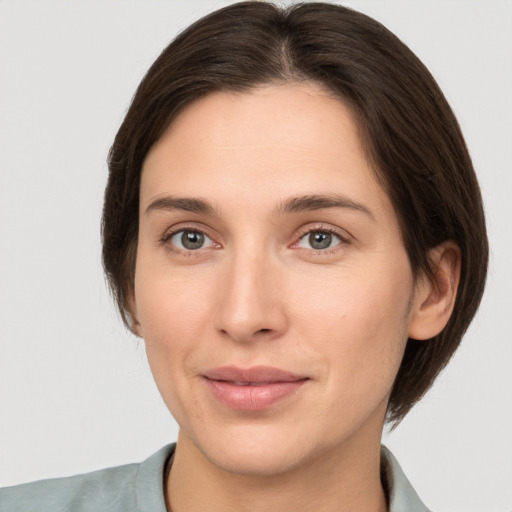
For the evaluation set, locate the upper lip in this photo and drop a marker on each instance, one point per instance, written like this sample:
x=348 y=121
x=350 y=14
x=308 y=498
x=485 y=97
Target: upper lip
x=256 y=374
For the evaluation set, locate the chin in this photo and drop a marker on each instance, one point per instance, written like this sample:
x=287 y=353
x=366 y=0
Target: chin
x=261 y=452
x=257 y=461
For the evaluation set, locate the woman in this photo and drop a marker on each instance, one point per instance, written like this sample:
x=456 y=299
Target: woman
x=293 y=225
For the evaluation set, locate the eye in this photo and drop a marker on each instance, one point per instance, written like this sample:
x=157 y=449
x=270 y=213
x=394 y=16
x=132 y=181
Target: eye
x=319 y=240
x=190 y=240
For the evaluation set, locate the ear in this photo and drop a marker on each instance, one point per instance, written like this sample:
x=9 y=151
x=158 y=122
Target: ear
x=435 y=296
x=131 y=308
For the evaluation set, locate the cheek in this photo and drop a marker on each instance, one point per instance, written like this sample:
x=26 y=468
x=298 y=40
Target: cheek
x=169 y=304
x=173 y=312
x=358 y=321
x=369 y=296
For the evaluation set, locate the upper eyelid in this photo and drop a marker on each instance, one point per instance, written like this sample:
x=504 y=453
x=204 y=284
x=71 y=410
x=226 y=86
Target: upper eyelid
x=298 y=234
x=186 y=226
x=309 y=228
x=165 y=241
x=209 y=245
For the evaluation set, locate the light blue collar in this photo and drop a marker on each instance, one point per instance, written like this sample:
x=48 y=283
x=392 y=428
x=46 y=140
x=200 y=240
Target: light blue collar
x=402 y=496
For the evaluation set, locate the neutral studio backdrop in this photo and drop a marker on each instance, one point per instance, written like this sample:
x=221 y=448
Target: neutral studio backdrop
x=76 y=393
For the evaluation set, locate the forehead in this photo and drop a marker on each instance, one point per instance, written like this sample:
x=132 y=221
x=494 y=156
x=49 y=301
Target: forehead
x=274 y=141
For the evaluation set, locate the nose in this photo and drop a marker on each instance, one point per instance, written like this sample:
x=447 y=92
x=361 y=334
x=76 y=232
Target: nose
x=250 y=304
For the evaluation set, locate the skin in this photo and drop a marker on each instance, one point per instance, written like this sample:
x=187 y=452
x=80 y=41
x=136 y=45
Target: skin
x=258 y=293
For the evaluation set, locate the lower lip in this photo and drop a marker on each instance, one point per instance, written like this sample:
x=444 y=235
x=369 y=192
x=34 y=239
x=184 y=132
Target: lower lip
x=253 y=398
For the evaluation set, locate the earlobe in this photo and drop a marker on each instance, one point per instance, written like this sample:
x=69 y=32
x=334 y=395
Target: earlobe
x=435 y=296
x=135 y=326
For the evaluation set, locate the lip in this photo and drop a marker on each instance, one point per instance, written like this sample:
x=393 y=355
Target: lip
x=252 y=389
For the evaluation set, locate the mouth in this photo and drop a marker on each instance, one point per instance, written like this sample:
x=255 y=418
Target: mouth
x=252 y=389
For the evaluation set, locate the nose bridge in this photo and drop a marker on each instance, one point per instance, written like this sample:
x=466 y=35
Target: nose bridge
x=249 y=303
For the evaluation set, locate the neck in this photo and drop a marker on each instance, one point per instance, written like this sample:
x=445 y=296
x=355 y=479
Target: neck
x=343 y=479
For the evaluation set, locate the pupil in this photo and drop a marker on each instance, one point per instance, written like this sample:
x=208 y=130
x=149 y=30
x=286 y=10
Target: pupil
x=192 y=240
x=320 y=240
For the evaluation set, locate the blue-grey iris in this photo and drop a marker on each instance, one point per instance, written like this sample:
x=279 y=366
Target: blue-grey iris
x=192 y=240
x=320 y=239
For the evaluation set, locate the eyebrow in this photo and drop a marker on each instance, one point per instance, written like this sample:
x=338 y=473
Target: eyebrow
x=296 y=204
x=184 y=204
x=309 y=203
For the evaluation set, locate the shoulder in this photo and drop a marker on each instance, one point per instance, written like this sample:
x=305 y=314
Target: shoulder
x=129 y=488
x=105 y=489
x=402 y=496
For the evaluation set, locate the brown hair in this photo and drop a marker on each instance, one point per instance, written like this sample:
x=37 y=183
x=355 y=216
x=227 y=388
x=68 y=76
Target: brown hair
x=411 y=135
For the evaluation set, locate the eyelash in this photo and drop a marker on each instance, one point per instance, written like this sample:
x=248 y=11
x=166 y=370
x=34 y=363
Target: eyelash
x=179 y=229
x=320 y=228
x=303 y=232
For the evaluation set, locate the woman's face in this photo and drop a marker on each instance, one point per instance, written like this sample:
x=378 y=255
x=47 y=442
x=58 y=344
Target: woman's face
x=272 y=287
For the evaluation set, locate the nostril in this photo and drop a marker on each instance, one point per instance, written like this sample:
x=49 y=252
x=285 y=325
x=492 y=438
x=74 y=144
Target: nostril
x=264 y=330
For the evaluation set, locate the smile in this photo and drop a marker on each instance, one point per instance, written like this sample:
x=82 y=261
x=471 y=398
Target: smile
x=251 y=383
x=252 y=389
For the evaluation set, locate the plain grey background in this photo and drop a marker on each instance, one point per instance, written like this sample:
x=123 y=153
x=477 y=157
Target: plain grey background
x=76 y=393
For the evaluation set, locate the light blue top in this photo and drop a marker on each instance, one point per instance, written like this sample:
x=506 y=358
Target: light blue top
x=140 y=488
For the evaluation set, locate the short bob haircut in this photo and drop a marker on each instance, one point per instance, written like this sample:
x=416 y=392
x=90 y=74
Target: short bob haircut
x=409 y=132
